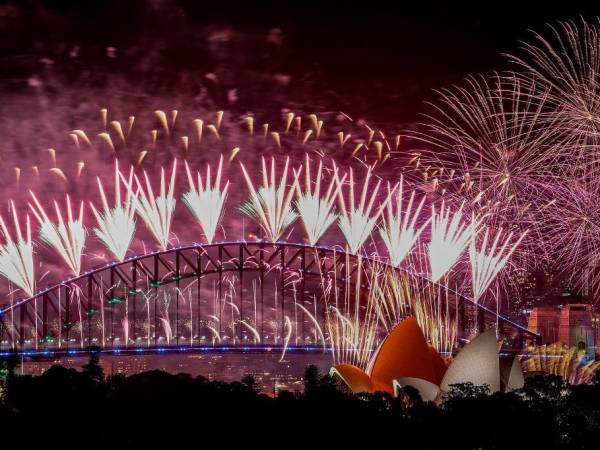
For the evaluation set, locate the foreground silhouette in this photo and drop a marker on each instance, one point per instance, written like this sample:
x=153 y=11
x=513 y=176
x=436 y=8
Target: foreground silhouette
x=84 y=408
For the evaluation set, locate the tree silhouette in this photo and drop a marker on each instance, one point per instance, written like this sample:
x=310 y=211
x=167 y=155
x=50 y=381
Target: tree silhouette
x=182 y=405
x=250 y=382
x=93 y=369
x=311 y=379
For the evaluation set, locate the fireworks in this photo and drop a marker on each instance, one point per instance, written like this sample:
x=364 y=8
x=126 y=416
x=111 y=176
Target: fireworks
x=253 y=330
x=116 y=226
x=559 y=360
x=67 y=237
x=572 y=230
x=357 y=220
x=392 y=296
x=287 y=323
x=316 y=211
x=500 y=158
x=353 y=336
x=353 y=327
x=449 y=238
x=396 y=296
x=206 y=201
x=564 y=68
x=156 y=212
x=399 y=232
x=84 y=171
x=16 y=256
x=347 y=318
x=489 y=260
x=436 y=321
x=167 y=329
x=271 y=205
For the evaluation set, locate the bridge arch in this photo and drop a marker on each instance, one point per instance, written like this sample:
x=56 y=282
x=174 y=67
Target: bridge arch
x=161 y=300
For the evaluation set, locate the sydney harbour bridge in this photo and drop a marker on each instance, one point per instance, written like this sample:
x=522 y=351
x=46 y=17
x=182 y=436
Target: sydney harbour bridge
x=238 y=296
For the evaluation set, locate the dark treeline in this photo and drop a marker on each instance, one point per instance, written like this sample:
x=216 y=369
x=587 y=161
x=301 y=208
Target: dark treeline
x=75 y=408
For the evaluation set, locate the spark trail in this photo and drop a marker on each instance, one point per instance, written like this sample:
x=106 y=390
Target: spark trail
x=400 y=232
x=116 y=225
x=449 y=238
x=316 y=211
x=358 y=218
x=156 y=211
x=488 y=260
x=67 y=237
x=270 y=205
x=16 y=256
x=206 y=199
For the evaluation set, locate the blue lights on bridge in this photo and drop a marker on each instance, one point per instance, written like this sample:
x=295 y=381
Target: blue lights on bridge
x=44 y=353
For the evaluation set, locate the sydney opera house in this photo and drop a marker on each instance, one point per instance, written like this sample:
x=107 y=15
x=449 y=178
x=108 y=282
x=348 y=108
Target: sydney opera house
x=406 y=359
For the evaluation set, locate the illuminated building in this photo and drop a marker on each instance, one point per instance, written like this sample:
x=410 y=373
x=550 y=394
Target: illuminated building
x=544 y=321
x=573 y=325
x=405 y=359
x=576 y=328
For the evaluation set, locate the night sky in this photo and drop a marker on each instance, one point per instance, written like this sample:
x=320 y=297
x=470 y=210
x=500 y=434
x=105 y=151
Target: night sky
x=374 y=60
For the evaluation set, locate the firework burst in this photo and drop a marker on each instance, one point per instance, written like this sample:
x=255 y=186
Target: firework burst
x=316 y=212
x=398 y=295
x=489 y=259
x=499 y=155
x=558 y=359
x=156 y=211
x=572 y=231
x=16 y=256
x=392 y=296
x=287 y=324
x=432 y=311
x=352 y=328
x=564 y=66
x=116 y=225
x=354 y=338
x=358 y=218
x=67 y=237
x=206 y=200
x=449 y=238
x=400 y=232
x=271 y=204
